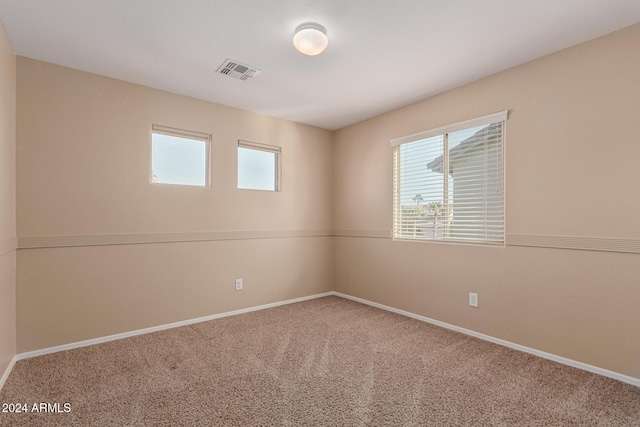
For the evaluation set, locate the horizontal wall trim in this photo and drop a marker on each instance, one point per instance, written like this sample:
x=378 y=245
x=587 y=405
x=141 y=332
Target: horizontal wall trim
x=145 y=238
x=540 y=241
x=602 y=244
x=539 y=353
x=85 y=343
x=579 y=243
x=8 y=245
x=5 y=374
x=377 y=234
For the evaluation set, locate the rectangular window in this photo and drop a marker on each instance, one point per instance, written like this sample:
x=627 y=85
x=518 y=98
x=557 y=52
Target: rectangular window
x=179 y=156
x=258 y=166
x=448 y=183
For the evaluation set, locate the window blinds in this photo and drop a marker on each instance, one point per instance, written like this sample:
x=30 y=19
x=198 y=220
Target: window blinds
x=181 y=133
x=449 y=183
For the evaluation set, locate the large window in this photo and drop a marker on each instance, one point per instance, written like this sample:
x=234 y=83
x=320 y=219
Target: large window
x=179 y=157
x=449 y=183
x=258 y=166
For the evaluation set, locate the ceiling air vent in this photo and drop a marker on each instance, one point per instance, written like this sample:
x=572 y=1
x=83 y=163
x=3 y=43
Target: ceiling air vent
x=237 y=70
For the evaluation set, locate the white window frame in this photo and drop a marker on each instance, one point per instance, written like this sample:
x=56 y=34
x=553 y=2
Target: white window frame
x=182 y=133
x=269 y=149
x=445 y=130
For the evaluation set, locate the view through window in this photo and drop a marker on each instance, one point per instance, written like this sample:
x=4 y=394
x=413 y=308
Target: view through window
x=258 y=166
x=179 y=157
x=449 y=183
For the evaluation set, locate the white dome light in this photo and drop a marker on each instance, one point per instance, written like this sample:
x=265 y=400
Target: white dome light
x=310 y=39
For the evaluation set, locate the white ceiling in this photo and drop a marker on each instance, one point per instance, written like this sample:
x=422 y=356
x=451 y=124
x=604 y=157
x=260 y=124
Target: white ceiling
x=382 y=54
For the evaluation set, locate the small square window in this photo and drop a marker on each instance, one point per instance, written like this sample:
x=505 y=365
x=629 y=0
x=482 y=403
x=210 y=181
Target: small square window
x=179 y=157
x=258 y=166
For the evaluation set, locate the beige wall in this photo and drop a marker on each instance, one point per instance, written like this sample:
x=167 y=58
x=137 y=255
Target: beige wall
x=84 y=147
x=83 y=160
x=7 y=202
x=571 y=171
x=73 y=294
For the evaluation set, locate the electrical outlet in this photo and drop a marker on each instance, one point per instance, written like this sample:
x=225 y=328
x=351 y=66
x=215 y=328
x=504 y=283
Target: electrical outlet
x=473 y=299
x=238 y=284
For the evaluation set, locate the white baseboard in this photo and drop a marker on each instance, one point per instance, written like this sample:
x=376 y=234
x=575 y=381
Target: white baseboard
x=7 y=371
x=108 y=338
x=555 y=358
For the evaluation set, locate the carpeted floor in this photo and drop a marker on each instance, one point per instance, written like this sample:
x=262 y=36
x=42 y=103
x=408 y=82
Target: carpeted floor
x=324 y=362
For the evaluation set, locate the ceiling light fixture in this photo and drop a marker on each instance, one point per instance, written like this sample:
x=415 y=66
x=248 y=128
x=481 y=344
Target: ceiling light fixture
x=310 y=39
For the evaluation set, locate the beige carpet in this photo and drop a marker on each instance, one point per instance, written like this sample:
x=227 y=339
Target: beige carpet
x=325 y=362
